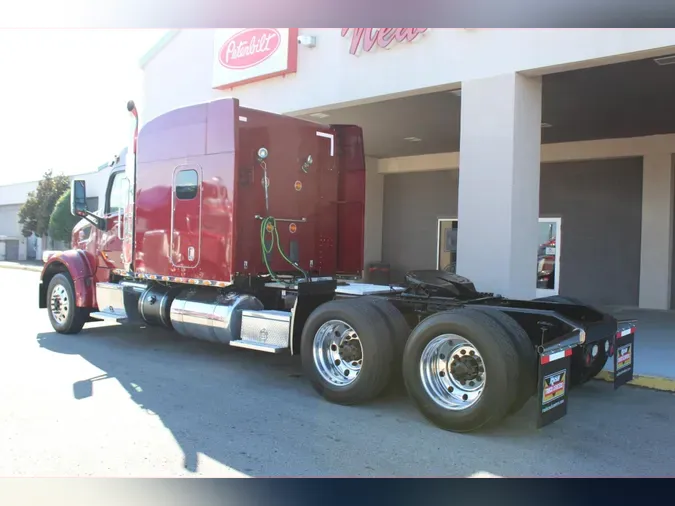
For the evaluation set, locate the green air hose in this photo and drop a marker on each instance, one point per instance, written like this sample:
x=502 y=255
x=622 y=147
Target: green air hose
x=274 y=234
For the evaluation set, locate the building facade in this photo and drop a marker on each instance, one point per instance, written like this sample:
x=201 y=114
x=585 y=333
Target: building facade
x=534 y=162
x=13 y=245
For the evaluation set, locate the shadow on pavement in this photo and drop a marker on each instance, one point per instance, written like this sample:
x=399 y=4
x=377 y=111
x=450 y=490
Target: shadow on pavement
x=231 y=405
x=252 y=411
x=158 y=371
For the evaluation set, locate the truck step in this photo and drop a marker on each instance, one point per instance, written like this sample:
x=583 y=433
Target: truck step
x=102 y=315
x=252 y=345
x=264 y=330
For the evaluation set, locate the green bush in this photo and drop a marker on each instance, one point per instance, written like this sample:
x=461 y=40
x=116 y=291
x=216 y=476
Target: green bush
x=61 y=222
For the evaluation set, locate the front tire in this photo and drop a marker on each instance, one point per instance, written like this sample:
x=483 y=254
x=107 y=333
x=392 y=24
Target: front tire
x=64 y=315
x=461 y=369
x=347 y=352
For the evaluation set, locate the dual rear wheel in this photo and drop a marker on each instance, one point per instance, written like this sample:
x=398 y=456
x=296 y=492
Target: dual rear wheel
x=464 y=369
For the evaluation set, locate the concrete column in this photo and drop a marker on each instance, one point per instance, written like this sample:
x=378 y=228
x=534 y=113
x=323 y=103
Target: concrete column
x=656 y=252
x=374 y=210
x=499 y=165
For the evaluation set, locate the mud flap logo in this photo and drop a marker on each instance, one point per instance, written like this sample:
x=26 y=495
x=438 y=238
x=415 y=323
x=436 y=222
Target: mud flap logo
x=624 y=357
x=554 y=389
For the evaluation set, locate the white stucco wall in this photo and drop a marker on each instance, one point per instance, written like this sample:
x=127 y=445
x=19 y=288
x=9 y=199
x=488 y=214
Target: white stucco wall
x=9 y=224
x=13 y=196
x=16 y=193
x=328 y=75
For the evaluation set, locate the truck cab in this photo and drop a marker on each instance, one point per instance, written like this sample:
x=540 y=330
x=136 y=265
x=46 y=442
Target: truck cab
x=103 y=246
x=240 y=227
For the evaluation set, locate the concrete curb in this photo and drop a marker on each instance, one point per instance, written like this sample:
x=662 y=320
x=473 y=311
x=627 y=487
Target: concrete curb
x=19 y=267
x=652 y=382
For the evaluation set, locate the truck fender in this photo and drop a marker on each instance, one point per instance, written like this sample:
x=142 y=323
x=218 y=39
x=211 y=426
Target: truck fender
x=79 y=267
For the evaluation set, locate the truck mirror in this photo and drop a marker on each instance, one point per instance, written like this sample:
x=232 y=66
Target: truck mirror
x=78 y=198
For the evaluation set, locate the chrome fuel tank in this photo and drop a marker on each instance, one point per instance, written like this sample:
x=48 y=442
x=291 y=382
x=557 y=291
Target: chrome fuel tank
x=209 y=316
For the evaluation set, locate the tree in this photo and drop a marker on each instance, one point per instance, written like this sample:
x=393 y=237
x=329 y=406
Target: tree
x=34 y=215
x=62 y=221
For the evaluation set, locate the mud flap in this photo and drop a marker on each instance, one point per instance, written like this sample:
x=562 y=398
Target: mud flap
x=554 y=369
x=624 y=353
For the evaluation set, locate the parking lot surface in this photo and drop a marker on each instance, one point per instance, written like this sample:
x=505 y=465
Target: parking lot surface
x=119 y=401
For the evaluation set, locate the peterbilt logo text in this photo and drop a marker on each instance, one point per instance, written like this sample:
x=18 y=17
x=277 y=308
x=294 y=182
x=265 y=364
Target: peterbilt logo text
x=249 y=48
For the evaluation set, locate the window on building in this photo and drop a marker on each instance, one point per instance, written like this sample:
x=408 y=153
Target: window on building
x=187 y=184
x=548 y=252
x=447 y=245
x=548 y=257
x=116 y=194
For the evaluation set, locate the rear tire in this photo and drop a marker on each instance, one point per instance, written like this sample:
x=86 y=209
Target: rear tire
x=443 y=393
x=360 y=369
x=527 y=355
x=399 y=330
x=64 y=315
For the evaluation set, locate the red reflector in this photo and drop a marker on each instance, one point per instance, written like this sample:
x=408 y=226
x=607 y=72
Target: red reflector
x=545 y=359
x=625 y=332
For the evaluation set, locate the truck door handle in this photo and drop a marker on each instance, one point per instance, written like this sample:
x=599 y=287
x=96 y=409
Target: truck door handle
x=119 y=224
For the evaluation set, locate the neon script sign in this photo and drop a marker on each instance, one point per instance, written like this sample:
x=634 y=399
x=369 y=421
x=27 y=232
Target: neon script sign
x=368 y=38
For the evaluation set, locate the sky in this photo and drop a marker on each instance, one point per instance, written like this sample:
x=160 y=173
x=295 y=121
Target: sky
x=63 y=96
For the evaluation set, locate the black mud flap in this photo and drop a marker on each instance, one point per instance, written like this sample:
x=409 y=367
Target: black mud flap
x=554 y=372
x=624 y=353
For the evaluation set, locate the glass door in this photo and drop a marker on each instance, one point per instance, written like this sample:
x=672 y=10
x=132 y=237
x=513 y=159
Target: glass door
x=548 y=257
x=446 y=249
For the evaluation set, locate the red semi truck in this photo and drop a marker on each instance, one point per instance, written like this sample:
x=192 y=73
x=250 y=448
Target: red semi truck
x=246 y=228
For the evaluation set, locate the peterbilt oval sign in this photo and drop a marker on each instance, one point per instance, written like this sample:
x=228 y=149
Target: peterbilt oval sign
x=249 y=48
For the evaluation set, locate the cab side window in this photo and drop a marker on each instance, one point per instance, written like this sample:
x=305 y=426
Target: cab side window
x=84 y=234
x=115 y=198
x=186 y=184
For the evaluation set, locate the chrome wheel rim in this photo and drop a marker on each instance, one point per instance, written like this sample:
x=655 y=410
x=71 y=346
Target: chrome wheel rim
x=337 y=352
x=59 y=304
x=453 y=372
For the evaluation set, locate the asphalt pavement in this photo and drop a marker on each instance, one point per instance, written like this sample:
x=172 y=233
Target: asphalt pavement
x=119 y=401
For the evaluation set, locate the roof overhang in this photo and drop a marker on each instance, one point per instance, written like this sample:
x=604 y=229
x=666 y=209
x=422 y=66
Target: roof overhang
x=157 y=48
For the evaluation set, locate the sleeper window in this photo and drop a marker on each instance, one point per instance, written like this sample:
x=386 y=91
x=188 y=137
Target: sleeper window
x=187 y=184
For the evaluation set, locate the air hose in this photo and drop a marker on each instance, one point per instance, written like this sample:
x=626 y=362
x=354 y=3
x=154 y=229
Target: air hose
x=274 y=234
